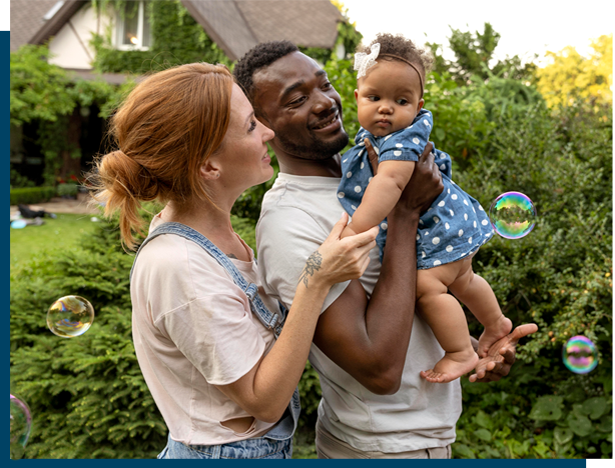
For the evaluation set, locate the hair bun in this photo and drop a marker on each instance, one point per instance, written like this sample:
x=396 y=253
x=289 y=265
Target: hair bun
x=126 y=177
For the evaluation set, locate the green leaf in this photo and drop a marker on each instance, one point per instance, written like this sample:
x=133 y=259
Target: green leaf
x=547 y=408
x=580 y=425
x=464 y=451
x=595 y=407
x=483 y=434
x=483 y=420
x=605 y=424
x=562 y=435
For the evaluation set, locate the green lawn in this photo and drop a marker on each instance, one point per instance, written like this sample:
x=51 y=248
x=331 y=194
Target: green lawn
x=60 y=233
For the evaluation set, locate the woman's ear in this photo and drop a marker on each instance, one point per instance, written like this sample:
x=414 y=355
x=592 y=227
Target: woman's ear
x=210 y=170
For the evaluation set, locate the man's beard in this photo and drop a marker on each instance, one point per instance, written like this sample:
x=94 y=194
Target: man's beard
x=316 y=150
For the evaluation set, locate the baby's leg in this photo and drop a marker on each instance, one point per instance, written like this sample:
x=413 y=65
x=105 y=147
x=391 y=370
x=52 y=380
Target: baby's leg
x=477 y=295
x=448 y=322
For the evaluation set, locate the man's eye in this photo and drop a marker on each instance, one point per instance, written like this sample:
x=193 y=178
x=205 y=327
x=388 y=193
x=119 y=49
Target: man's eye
x=297 y=102
x=402 y=102
x=373 y=98
x=327 y=85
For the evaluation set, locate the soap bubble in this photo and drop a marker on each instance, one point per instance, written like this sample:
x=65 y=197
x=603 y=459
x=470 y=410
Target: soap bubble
x=21 y=423
x=580 y=355
x=70 y=316
x=512 y=215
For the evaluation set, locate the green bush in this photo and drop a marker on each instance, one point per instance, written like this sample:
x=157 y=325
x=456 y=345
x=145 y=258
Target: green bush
x=559 y=276
x=68 y=190
x=31 y=195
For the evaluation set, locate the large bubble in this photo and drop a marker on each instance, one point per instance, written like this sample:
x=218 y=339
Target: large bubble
x=580 y=355
x=70 y=316
x=21 y=424
x=512 y=215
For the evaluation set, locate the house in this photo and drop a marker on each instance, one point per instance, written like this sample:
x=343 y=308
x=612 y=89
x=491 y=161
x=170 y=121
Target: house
x=234 y=25
x=68 y=27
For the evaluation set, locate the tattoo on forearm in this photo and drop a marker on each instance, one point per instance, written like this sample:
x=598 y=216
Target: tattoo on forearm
x=312 y=265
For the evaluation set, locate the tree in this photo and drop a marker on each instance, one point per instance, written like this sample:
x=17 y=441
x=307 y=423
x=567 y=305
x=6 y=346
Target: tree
x=570 y=76
x=474 y=57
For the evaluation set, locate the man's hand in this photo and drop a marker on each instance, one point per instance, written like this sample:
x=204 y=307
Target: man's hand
x=424 y=186
x=501 y=355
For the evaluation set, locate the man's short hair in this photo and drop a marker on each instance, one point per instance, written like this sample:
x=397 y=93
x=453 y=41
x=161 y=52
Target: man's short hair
x=258 y=57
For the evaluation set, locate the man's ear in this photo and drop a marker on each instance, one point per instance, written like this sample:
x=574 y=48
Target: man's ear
x=420 y=106
x=210 y=170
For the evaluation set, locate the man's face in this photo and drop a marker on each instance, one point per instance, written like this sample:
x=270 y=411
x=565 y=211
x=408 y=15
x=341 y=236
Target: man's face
x=294 y=98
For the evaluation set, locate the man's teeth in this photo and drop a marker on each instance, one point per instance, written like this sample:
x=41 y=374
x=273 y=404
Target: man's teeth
x=326 y=123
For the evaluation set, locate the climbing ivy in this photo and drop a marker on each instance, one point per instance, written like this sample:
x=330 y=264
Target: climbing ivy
x=177 y=39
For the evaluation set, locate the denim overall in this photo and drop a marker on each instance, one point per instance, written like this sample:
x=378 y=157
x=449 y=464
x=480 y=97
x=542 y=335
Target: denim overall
x=277 y=443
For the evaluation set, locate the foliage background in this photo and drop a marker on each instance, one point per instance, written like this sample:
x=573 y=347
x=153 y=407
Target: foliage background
x=89 y=398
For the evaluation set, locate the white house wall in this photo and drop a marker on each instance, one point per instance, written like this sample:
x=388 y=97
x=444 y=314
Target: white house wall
x=70 y=47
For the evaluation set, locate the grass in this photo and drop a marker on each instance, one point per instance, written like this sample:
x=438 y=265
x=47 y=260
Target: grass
x=56 y=234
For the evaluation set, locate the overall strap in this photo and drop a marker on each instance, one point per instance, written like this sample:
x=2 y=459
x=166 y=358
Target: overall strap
x=269 y=320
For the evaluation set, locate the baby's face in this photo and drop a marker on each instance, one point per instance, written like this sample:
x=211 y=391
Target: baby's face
x=388 y=97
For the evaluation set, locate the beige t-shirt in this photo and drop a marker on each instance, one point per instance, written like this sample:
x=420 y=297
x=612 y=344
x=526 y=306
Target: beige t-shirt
x=297 y=215
x=193 y=329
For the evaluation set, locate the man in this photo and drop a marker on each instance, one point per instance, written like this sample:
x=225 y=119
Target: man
x=369 y=346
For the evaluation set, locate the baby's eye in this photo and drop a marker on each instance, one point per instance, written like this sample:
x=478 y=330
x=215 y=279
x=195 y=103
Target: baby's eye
x=373 y=98
x=402 y=102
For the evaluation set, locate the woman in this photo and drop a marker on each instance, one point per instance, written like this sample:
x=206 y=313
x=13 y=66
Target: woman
x=204 y=333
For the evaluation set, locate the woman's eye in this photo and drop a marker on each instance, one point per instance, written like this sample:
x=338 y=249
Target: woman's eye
x=252 y=126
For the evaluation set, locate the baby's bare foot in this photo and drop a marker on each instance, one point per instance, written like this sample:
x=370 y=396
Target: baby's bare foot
x=452 y=366
x=492 y=333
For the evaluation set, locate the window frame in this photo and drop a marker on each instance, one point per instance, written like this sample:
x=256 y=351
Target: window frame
x=119 y=32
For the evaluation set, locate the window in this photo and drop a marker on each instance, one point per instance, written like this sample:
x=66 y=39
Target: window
x=133 y=28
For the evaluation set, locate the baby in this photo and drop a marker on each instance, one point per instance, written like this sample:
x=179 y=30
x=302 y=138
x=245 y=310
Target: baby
x=389 y=94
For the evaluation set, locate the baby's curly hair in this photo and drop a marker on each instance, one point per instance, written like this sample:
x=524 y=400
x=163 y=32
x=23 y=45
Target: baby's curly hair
x=399 y=46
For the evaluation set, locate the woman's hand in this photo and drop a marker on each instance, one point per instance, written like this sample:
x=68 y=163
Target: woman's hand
x=337 y=259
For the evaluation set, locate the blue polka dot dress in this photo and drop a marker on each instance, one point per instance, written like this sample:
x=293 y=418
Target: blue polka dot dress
x=455 y=225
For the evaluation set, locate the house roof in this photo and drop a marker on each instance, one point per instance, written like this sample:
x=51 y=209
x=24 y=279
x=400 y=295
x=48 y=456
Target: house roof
x=28 y=25
x=234 y=25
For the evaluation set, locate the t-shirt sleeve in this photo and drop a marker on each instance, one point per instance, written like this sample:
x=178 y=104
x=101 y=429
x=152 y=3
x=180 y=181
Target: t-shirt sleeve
x=196 y=305
x=285 y=238
x=217 y=336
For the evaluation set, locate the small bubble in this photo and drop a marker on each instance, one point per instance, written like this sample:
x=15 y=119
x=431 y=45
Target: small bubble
x=580 y=354
x=21 y=424
x=70 y=316
x=512 y=215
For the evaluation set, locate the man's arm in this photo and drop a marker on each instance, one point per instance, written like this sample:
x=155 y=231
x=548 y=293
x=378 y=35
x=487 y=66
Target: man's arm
x=369 y=338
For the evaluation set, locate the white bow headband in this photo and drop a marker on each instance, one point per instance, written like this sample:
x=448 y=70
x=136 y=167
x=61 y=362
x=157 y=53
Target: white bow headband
x=363 y=62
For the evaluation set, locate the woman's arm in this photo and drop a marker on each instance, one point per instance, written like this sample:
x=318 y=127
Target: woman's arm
x=264 y=392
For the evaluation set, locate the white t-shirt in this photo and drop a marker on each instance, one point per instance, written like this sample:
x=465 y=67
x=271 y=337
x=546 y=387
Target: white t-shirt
x=192 y=329
x=296 y=217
